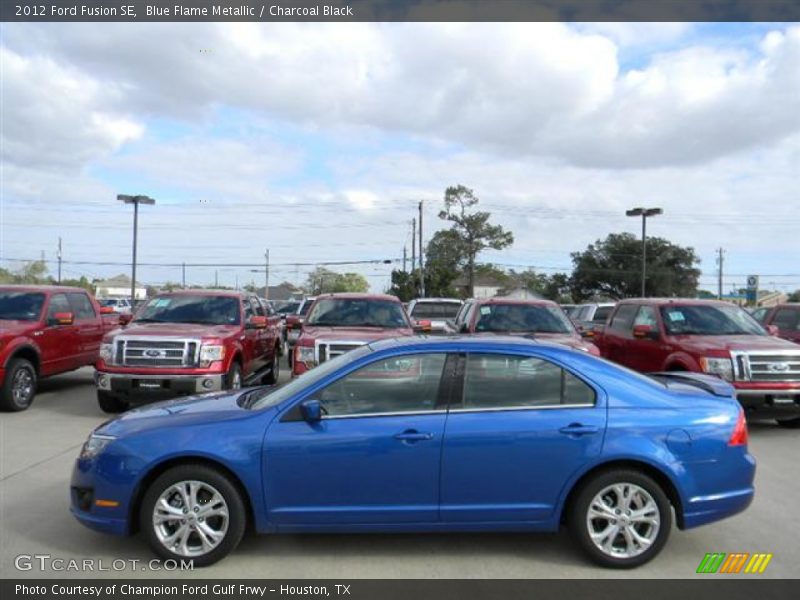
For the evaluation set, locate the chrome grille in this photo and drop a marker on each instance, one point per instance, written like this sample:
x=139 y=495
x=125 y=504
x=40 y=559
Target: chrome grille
x=164 y=353
x=768 y=366
x=328 y=350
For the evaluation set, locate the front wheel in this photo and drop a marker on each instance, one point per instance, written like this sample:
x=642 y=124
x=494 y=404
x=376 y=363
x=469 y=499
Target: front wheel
x=19 y=386
x=621 y=518
x=193 y=512
x=110 y=403
x=790 y=423
x=233 y=379
x=271 y=378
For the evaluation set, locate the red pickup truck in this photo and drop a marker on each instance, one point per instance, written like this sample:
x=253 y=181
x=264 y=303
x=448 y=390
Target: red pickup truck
x=337 y=323
x=784 y=317
x=44 y=331
x=188 y=342
x=505 y=316
x=707 y=336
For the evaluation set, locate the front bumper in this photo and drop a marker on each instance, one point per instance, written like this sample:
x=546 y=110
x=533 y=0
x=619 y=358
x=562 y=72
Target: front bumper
x=131 y=385
x=770 y=403
x=85 y=488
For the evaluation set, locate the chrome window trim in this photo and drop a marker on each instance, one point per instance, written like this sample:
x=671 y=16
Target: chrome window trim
x=518 y=408
x=385 y=414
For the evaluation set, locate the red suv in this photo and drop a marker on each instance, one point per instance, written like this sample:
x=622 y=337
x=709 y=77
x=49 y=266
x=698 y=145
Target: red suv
x=46 y=330
x=542 y=319
x=337 y=323
x=188 y=342
x=708 y=336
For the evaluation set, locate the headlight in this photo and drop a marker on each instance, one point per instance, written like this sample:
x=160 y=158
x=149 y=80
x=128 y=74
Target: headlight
x=210 y=353
x=95 y=445
x=305 y=354
x=721 y=367
x=107 y=353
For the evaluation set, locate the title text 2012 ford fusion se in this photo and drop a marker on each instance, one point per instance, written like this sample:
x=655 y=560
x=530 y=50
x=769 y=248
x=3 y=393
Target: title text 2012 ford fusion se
x=423 y=435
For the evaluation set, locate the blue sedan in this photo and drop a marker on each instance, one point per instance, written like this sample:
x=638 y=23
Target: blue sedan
x=423 y=435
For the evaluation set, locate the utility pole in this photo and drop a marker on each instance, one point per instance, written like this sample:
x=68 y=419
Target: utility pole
x=136 y=201
x=266 y=275
x=644 y=213
x=421 y=262
x=216 y=278
x=59 y=260
x=413 y=245
x=404 y=259
x=720 y=259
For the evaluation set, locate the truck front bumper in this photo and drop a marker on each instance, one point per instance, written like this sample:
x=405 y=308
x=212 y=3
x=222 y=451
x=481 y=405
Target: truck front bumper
x=165 y=385
x=770 y=404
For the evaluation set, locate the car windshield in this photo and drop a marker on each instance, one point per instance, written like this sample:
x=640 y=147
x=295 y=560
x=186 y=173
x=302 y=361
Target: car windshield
x=305 y=307
x=205 y=310
x=288 y=309
x=357 y=312
x=709 y=320
x=107 y=302
x=20 y=306
x=435 y=310
x=271 y=396
x=535 y=318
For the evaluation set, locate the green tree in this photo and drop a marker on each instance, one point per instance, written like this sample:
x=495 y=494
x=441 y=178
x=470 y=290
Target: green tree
x=471 y=231
x=403 y=285
x=325 y=281
x=351 y=282
x=81 y=282
x=444 y=260
x=794 y=296
x=612 y=268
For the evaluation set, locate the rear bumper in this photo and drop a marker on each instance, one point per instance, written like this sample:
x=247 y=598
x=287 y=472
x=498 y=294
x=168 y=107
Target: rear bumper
x=707 y=509
x=130 y=385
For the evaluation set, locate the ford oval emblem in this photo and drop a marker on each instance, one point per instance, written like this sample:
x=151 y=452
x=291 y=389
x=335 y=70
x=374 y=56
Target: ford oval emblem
x=778 y=367
x=154 y=353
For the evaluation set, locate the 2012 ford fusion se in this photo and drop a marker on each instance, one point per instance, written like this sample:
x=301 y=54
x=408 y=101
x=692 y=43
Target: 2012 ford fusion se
x=424 y=435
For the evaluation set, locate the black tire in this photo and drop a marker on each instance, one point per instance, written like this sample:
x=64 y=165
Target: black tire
x=19 y=385
x=110 y=403
x=234 y=374
x=236 y=519
x=578 y=513
x=271 y=378
x=289 y=355
x=790 y=423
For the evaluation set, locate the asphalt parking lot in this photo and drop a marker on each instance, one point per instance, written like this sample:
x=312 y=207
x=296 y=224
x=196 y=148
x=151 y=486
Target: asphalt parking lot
x=38 y=447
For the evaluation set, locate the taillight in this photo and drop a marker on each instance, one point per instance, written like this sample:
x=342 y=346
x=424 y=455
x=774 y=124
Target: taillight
x=739 y=435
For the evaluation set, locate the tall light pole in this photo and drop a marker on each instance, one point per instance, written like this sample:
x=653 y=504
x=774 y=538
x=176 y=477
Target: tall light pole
x=136 y=201
x=644 y=213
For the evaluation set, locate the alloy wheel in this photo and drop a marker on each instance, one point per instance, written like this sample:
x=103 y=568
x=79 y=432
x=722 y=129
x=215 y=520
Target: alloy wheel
x=623 y=520
x=22 y=387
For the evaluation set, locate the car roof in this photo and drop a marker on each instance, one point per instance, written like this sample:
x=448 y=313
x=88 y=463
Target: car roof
x=676 y=302
x=41 y=288
x=499 y=341
x=528 y=302
x=450 y=300
x=205 y=292
x=358 y=296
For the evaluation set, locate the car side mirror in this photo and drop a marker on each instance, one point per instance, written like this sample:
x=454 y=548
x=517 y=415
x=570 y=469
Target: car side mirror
x=125 y=319
x=773 y=330
x=645 y=332
x=311 y=411
x=62 y=318
x=107 y=310
x=257 y=322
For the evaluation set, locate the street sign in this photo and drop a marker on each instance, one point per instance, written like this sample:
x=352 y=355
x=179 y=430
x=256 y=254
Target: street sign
x=752 y=289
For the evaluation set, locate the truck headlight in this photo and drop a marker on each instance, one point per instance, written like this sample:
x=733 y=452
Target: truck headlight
x=210 y=353
x=305 y=354
x=721 y=367
x=95 y=445
x=107 y=353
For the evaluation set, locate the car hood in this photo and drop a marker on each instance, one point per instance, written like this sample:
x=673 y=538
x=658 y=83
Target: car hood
x=366 y=334
x=206 y=408
x=12 y=328
x=178 y=330
x=709 y=343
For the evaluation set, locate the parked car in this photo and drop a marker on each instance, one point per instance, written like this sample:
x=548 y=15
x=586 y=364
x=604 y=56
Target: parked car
x=338 y=323
x=188 y=342
x=288 y=308
x=590 y=318
x=708 y=336
x=433 y=315
x=785 y=318
x=44 y=331
x=119 y=305
x=415 y=435
x=760 y=313
x=294 y=323
x=503 y=316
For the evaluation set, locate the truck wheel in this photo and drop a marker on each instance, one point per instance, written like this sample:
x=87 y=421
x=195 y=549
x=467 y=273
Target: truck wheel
x=193 y=512
x=110 y=403
x=271 y=378
x=621 y=518
x=233 y=379
x=19 y=386
x=790 y=423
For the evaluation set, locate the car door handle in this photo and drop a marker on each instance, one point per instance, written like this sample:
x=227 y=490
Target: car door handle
x=412 y=435
x=577 y=429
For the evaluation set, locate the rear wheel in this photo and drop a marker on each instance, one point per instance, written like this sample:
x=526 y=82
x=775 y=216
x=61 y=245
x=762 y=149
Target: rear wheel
x=19 y=386
x=193 y=512
x=790 y=423
x=110 y=403
x=621 y=518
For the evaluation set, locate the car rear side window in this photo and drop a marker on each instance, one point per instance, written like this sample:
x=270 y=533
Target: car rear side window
x=623 y=318
x=81 y=306
x=787 y=318
x=495 y=381
x=404 y=384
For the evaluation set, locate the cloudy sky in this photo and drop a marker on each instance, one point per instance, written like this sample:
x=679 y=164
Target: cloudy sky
x=317 y=141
